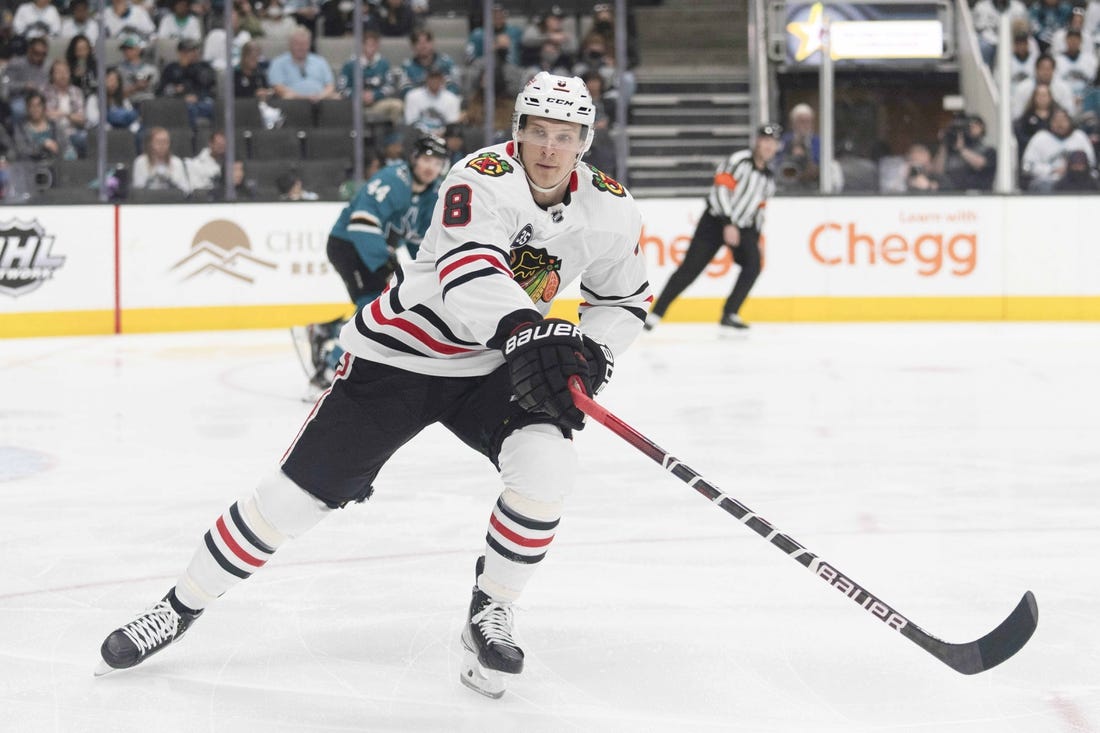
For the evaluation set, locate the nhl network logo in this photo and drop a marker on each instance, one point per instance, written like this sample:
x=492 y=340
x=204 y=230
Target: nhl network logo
x=221 y=247
x=25 y=259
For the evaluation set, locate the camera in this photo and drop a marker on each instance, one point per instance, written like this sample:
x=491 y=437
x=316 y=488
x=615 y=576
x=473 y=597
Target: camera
x=43 y=177
x=957 y=131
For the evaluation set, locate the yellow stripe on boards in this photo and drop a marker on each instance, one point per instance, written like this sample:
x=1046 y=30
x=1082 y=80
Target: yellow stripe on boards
x=152 y=320
x=991 y=308
x=57 y=323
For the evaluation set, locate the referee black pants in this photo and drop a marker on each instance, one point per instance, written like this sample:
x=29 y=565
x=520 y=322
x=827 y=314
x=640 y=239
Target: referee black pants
x=704 y=245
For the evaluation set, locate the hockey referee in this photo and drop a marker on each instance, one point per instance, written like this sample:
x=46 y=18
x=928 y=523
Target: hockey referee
x=734 y=217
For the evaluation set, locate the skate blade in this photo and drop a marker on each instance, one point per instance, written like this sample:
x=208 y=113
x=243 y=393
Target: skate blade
x=488 y=682
x=103 y=669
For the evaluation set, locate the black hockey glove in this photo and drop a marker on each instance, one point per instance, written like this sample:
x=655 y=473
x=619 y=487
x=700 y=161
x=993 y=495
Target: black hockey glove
x=541 y=358
x=601 y=363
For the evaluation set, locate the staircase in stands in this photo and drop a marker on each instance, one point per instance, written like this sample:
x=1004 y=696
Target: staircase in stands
x=691 y=108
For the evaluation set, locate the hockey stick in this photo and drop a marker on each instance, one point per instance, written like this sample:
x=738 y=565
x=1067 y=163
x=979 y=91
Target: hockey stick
x=969 y=658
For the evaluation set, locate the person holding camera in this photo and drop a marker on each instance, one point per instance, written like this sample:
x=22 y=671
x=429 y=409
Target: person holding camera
x=39 y=142
x=963 y=161
x=733 y=217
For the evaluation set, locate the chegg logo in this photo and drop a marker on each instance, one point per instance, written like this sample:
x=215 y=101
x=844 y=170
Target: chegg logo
x=833 y=244
x=670 y=253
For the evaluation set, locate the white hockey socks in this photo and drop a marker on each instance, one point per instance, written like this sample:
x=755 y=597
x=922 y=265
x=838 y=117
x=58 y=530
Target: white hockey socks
x=244 y=538
x=514 y=546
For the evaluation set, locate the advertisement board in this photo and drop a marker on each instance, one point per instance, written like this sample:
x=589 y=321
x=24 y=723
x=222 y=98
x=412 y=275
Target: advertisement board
x=824 y=258
x=56 y=260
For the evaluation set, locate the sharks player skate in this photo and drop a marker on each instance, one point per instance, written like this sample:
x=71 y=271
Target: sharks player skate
x=391 y=210
x=460 y=337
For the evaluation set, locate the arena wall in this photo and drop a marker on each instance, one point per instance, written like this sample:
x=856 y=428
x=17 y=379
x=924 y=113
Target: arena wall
x=130 y=269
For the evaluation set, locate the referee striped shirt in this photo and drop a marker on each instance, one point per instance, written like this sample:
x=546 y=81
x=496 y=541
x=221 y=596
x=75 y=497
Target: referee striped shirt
x=741 y=191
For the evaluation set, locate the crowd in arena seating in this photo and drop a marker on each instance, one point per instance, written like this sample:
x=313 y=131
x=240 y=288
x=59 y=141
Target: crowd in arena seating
x=293 y=71
x=1054 y=104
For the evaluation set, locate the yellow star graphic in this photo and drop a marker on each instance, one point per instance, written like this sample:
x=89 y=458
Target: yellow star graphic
x=808 y=33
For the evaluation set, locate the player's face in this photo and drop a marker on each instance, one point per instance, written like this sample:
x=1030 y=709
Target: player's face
x=548 y=149
x=766 y=147
x=426 y=168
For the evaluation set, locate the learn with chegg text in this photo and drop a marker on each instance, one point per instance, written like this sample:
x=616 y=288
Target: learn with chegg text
x=834 y=244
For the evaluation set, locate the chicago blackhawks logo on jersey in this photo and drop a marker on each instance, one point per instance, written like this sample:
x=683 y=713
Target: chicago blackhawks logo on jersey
x=604 y=182
x=537 y=272
x=490 y=164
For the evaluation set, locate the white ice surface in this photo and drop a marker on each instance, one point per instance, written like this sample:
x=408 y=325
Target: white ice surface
x=949 y=468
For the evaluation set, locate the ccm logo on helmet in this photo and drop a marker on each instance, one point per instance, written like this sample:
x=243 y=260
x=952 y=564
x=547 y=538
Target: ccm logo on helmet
x=552 y=100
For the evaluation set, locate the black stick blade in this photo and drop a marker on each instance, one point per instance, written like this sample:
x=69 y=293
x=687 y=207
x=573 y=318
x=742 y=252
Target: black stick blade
x=988 y=651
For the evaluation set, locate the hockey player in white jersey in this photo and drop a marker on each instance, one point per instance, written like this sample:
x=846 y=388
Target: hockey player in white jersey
x=460 y=337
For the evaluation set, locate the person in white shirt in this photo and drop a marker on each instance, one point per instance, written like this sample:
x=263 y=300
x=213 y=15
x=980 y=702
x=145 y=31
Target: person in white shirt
x=1076 y=68
x=80 y=22
x=1076 y=23
x=1044 y=74
x=213 y=48
x=987 y=22
x=1044 y=159
x=432 y=106
x=36 y=18
x=180 y=23
x=156 y=168
x=125 y=18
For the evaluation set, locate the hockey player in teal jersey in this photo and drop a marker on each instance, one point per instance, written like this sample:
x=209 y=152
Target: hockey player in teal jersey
x=393 y=209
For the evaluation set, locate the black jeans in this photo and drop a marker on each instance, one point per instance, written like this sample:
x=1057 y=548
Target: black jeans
x=704 y=244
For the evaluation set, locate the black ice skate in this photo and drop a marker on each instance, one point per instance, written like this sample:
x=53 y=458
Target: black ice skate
x=733 y=321
x=491 y=652
x=143 y=637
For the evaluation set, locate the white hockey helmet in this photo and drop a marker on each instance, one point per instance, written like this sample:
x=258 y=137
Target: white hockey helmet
x=563 y=98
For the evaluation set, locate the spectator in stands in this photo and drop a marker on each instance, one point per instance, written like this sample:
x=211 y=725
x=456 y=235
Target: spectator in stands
x=65 y=107
x=552 y=59
x=37 y=137
x=603 y=22
x=246 y=188
x=1080 y=175
x=1036 y=116
x=213 y=46
x=1025 y=52
x=433 y=106
x=1047 y=16
x=139 y=77
x=249 y=78
x=305 y=14
x=456 y=143
x=1044 y=161
x=1044 y=74
x=27 y=74
x=124 y=18
x=157 y=169
x=121 y=114
x=379 y=94
x=1076 y=23
x=920 y=176
x=1076 y=68
x=82 y=64
x=602 y=152
x=596 y=55
x=414 y=70
x=291 y=188
x=300 y=74
x=191 y=79
x=180 y=23
x=1091 y=25
x=372 y=163
x=802 y=128
x=36 y=19
x=205 y=170
x=392 y=18
x=247 y=18
x=79 y=23
x=506 y=36
x=987 y=23
x=548 y=27
x=963 y=159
